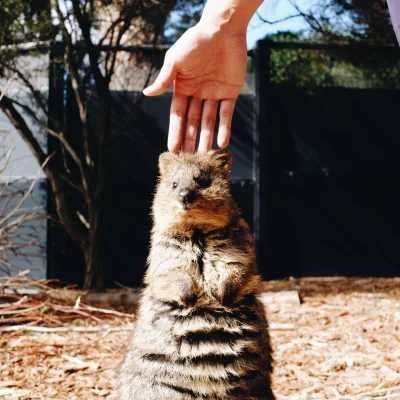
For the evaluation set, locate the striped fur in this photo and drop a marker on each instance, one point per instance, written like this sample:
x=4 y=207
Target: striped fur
x=201 y=331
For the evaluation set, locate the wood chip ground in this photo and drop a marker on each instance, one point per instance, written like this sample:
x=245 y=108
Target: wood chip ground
x=334 y=338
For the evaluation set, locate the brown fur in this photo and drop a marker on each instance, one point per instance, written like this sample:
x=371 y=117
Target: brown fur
x=201 y=331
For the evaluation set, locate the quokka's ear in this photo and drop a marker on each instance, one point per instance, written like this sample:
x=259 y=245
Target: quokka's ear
x=165 y=160
x=222 y=160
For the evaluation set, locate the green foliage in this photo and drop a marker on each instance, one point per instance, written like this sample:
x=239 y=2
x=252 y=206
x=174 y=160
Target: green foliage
x=21 y=22
x=24 y=21
x=332 y=67
x=366 y=21
x=297 y=67
x=361 y=21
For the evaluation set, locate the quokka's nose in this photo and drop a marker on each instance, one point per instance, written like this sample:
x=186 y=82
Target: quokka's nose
x=186 y=197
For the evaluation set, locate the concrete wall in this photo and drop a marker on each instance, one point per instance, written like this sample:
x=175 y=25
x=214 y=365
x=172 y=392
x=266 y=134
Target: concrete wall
x=22 y=169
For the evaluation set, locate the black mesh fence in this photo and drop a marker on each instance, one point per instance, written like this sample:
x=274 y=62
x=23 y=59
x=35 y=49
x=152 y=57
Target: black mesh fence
x=329 y=170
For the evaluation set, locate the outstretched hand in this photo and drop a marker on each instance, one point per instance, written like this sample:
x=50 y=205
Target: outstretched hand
x=207 y=66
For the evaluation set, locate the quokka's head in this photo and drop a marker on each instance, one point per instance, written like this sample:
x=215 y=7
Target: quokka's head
x=193 y=190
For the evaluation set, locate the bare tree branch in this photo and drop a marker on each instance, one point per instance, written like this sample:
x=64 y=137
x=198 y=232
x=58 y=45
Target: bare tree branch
x=19 y=123
x=127 y=22
x=71 y=223
x=38 y=98
x=17 y=234
x=278 y=20
x=18 y=206
x=66 y=145
x=310 y=19
x=77 y=85
x=111 y=28
x=85 y=26
x=7 y=155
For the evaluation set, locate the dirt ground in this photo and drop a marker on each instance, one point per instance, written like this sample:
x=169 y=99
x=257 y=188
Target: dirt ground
x=334 y=338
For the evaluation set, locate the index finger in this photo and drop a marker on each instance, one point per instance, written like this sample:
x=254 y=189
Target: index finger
x=177 y=121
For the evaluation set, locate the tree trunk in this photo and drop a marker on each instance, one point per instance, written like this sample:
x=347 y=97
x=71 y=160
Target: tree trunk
x=94 y=253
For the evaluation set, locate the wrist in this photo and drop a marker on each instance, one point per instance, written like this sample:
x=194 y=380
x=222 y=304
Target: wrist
x=229 y=15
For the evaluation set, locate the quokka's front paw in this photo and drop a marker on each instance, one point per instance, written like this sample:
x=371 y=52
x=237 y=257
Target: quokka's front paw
x=188 y=294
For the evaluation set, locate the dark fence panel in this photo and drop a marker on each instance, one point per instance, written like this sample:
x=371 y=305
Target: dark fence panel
x=331 y=179
x=335 y=225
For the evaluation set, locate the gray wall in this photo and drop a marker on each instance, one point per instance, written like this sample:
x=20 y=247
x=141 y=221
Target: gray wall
x=18 y=175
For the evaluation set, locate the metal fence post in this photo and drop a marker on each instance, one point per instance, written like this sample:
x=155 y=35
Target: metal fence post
x=56 y=100
x=262 y=81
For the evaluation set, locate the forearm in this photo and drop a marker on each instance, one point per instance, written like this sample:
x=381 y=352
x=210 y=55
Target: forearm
x=233 y=15
x=394 y=9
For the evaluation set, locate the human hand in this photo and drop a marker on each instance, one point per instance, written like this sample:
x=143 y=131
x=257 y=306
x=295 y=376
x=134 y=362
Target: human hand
x=207 y=65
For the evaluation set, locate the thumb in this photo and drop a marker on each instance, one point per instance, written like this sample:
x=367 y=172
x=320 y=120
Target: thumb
x=163 y=82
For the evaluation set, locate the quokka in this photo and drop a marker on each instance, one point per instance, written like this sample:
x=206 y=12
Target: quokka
x=201 y=332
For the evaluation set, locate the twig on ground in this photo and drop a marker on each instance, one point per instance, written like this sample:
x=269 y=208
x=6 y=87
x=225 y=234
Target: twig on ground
x=86 y=329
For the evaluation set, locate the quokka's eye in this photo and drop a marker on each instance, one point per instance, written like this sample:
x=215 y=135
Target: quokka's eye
x=203 y=182
x=174 y=185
